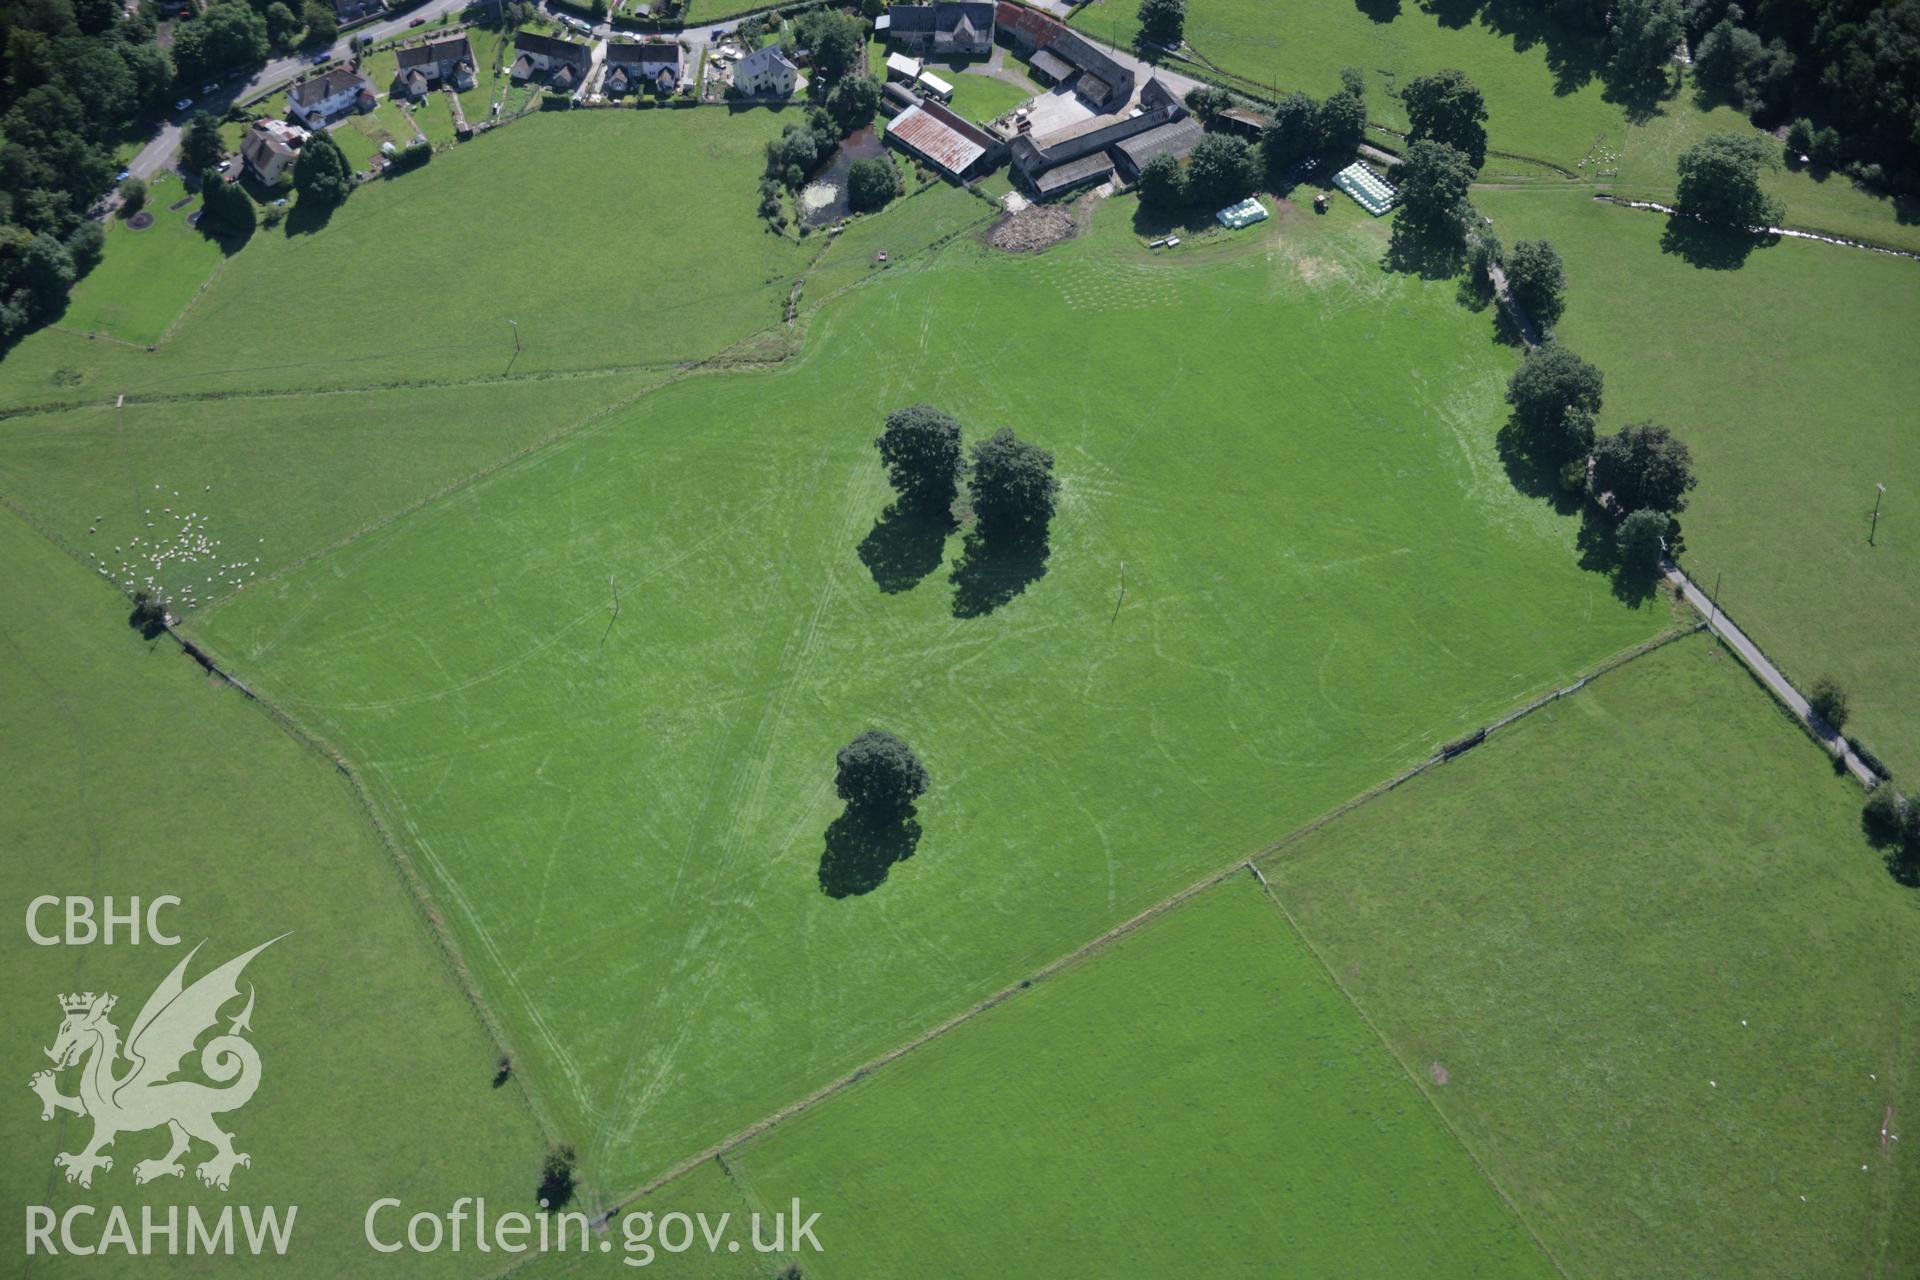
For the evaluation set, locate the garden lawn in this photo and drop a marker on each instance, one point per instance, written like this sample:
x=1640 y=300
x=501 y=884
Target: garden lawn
x=274 y=479
x=127 y=772
x=145 y=279
x=1198 y=1100
x=1540 y=103
x=405 y=282
x=1669 y=985
x=1793 y=381
x=981 y=97
x=623 y=816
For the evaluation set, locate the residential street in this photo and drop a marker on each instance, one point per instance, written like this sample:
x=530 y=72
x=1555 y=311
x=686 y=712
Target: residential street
x=158 y=153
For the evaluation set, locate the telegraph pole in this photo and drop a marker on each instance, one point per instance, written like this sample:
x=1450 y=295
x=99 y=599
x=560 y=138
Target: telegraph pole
x=1879 y=491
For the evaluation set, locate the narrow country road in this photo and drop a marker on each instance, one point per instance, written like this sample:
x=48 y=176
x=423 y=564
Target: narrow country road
x=1769 y=674
x=157 y=155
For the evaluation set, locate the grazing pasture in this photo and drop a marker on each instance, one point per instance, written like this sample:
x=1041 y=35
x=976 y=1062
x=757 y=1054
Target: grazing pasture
x=1198 y=1100
x=415 y=279
x=128 y=772
x=626 y=816
x=1662 y=972
x=1540 y=102
x=1792 y=380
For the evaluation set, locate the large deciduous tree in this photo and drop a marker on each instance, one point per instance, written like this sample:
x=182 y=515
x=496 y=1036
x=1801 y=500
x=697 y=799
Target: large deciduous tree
x=1221 y=171
x=1012 y=486
x=1433 y=184
x=1555 y=397
x=1644 y=467
x=322 y=173
x=1720 y=182
x=1447 y=107
x=920 y=447
x=879 y=776
x=1538 y=280
x=1163 y=21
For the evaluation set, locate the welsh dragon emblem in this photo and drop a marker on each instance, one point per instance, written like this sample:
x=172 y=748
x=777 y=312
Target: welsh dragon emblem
x=145 y=1095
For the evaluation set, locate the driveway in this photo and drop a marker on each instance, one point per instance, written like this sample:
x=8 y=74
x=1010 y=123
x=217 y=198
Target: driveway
x=158 y=154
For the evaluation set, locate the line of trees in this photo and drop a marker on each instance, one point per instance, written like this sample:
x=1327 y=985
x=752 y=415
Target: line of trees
x=1010 y=482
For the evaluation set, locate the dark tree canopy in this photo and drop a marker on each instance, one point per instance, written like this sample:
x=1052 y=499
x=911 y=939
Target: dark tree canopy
x=1640 y=46
x=1447 y=107
x=871 y=183
x=1433 y=184
x=200 y=144
x=556 y=1179
x=1162 y=184
x=1555 y=396
x=1637 y=540
x=852 y=102
x=1341 y=122
x=1720 y=182
x=835 y=41
x=1538 y=280
x=920 y=447
x=322 y=174
x=1644 y=468
x=1292 y=135
x=1012 y=486
x=1221 y=171
x=226 y=212
x=1163 y=21
x=1829 y=702
x=1207 y=102
x=878 y=775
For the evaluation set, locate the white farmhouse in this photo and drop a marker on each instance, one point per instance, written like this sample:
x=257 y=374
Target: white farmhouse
x=316 y=101
x=766 y=73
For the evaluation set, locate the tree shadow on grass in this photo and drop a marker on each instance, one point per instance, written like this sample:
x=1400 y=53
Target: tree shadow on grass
x=1710 y=248
x=992 y=571
x=1632 y=584
x=903 y=547
x=862 y=848
x=1532 y=471
x=1188 y=220
x=1415 y=250
x=308 y=216
x=1381 y=11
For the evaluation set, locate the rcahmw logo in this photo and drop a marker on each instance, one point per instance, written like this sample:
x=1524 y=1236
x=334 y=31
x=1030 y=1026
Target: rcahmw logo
x=129 y=1086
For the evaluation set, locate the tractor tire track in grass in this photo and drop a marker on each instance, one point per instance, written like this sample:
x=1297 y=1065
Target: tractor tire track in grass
x=1105 y=940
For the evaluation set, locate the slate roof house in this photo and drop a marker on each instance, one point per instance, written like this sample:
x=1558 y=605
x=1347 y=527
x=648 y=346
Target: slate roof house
x=565 y=63
x=314 y=102
x=1060 y=54
x=1078 y=157
x=427 y=66
x=953 y=28
x=1176 y=138
x=633 y=67
x=266 y=154
x=765 y=71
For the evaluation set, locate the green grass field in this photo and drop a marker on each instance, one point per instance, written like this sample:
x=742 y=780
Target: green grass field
x=1665 y=977
x=1791 y=379
x=625 y=823
x=402 y=285
x=984 y=98
x=146 y=278
x=128 y=773
x=1533 y=109
x=276 y=478
x=1199 y=1100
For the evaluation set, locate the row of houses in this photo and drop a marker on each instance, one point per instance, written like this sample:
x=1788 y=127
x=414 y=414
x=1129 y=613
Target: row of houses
x=968 y=29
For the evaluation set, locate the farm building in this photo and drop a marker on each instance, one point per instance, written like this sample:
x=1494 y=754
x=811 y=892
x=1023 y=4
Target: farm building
x=1062 y=56
x=1077 y=157
x=1176 y=138
x=764 y=72
x=564 y=62
x=944 y=140
x=934 y=87
x=952 y=29
x=902 y=67
x=427 y=66
x=316 y=101
x=632 y=67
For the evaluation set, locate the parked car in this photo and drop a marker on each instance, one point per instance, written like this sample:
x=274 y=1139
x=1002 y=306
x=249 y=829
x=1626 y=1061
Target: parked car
x=209 y=88
x=183 y=104
x=418 y=22
x=322 y=59
x=123 y=175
